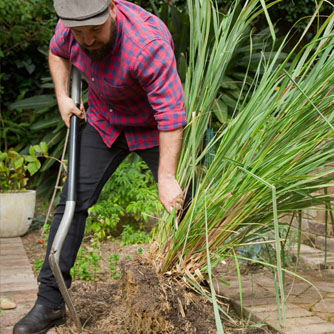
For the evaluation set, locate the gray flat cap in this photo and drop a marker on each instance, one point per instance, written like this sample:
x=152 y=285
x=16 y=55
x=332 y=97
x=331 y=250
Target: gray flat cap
x=75 y=13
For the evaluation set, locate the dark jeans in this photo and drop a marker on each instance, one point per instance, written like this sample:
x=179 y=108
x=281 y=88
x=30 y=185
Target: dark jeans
x=97 y=162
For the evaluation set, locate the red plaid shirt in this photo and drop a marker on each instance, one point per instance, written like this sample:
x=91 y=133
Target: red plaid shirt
x=137 y=89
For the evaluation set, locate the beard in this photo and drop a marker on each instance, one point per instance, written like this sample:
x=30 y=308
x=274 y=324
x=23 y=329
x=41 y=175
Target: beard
x=102 y=49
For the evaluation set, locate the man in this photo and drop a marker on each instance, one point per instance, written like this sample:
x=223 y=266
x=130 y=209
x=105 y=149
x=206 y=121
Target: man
x=136 y=104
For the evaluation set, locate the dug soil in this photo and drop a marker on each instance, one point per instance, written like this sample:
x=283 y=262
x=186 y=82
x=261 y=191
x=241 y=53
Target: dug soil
x=141 y=301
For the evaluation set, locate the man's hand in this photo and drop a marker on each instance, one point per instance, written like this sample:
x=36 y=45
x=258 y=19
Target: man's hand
x=170 y=193
x=67 y=108
x=60 y=69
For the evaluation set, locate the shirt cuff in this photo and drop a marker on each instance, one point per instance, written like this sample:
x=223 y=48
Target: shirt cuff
x=170 y=120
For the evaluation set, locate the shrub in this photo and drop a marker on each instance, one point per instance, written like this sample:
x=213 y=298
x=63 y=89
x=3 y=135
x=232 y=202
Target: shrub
x=131 y=237
x=294 y=10
x=131 y=192
x=25 y=30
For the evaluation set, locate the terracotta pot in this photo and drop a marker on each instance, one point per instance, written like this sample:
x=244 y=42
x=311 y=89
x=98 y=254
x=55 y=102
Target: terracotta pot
x=16 y=212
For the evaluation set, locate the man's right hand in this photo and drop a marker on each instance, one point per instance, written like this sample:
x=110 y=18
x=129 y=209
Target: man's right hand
x=60 y=69
x=67 y=108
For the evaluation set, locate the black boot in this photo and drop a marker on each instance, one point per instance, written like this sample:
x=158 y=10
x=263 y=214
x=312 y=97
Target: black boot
x=39 y=320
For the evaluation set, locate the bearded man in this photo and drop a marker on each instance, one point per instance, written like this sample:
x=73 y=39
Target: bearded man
x=136 y=104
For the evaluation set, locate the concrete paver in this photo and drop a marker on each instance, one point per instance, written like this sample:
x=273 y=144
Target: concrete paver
x=325 y=305
x=308 y=310
x=329 y=317
x=296 y=288
x=17 y=282
x=317 y=328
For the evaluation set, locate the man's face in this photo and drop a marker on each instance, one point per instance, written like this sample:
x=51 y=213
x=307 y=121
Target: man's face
x=97 y=41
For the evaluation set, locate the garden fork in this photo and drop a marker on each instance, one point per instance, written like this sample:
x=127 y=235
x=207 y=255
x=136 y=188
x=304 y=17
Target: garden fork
x=70 y=200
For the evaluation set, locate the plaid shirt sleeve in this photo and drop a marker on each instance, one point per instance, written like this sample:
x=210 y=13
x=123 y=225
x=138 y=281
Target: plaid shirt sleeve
x=156 y=72
x=61 y=41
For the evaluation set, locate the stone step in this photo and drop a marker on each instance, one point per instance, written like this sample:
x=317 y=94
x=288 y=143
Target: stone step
x=324 y=243
x=313 y=258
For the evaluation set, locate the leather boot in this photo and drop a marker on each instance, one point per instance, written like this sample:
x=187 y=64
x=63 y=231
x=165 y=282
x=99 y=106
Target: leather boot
x=40 y=319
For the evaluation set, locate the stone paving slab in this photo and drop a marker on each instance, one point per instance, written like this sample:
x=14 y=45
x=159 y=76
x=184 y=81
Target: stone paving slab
x=308 y=310
x=17 y=282
x=298 y=320
x=325 y=305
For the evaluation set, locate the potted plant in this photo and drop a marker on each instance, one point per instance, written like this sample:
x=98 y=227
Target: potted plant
x=17 y=204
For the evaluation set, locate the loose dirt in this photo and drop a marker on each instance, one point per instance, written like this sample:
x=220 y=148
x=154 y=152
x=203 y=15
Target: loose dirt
x=141 y=301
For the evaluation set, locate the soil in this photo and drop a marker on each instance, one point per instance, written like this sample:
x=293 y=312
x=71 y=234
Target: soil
x=141 y=301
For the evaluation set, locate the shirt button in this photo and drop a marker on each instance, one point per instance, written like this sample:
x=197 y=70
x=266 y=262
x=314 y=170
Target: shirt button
x=93 y=79
x=110 y=110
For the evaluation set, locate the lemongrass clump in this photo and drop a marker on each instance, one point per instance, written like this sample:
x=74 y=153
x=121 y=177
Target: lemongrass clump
x=269 y=159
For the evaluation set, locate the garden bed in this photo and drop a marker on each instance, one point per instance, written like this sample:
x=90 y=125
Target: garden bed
x=130 y=297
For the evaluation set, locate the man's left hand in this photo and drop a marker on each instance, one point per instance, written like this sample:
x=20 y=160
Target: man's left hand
x=170 y=193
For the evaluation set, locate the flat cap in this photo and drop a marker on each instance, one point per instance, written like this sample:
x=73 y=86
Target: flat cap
x=75 y=13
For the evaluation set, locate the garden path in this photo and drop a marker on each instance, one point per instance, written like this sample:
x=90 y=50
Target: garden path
x=309 y=309
x=17 y=282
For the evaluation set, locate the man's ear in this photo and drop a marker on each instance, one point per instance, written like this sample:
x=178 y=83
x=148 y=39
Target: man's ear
x=112 y=10
x=112 y=5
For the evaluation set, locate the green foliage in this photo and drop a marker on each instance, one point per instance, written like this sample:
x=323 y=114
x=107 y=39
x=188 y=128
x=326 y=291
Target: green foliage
x=25 y=31
x=295 y=10
x=24 y=22
x=15 y=167
x=38 y=263
x=114 y=271
x=46 y=231
x=253 y=46
x=131 y=192
x=103 y=219
x=251 y=251
x=175 y=16
x=269 y=160
x=132 y=186
x=287 y=12
x=87 y=265
x=131 y=237
x=45 y=123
